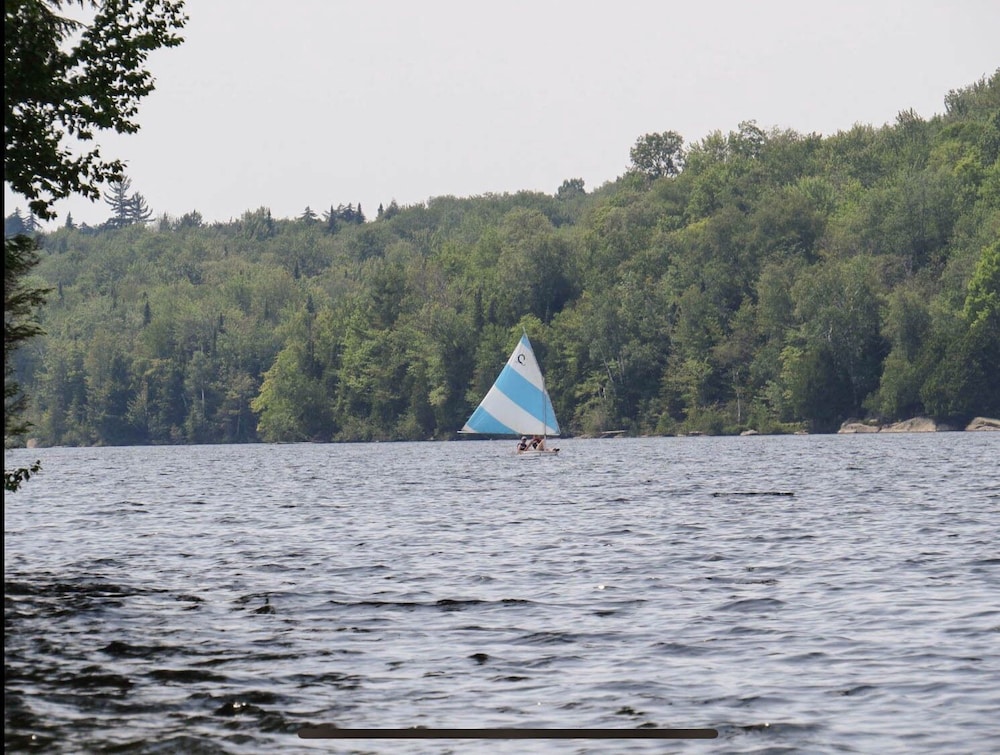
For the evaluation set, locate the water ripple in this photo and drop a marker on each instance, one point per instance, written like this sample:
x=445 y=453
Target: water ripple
x=815 y=594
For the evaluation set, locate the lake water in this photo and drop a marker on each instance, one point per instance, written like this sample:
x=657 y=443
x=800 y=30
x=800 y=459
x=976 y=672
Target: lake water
x=796 y=594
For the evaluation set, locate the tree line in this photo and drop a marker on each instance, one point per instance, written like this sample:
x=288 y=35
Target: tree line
x=756 y=279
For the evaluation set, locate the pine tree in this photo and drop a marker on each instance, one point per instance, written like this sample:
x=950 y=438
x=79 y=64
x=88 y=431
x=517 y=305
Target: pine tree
x=139 y=211
x=14 y=225
x=330 y=218
x=118 y=199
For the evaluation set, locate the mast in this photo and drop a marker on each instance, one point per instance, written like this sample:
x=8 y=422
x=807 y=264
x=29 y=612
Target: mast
x=545 y=404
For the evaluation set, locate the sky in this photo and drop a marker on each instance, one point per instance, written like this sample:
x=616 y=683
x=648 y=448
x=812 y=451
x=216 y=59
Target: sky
x=321 y=103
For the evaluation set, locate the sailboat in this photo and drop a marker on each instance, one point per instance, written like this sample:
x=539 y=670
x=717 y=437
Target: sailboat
x=518 y=403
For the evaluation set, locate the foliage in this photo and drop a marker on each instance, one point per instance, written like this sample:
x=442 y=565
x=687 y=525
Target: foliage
x=658 y=155
x=571 y=188
x=757 y=280
x=127 y=209
x=13 y=480
x=64 y=80
x=21 y=298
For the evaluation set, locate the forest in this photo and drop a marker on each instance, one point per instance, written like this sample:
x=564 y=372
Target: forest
x=755 y=280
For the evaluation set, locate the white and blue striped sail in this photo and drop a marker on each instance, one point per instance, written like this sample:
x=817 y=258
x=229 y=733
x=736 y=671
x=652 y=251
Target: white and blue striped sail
x=518 y=403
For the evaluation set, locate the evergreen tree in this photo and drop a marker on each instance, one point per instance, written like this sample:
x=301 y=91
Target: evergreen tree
x=120 y=202
x=391 y=211
x=20 y=301
x=62 y=80
x=14 y=225
x=138 y=211
x=331 y=220
x=190 y=220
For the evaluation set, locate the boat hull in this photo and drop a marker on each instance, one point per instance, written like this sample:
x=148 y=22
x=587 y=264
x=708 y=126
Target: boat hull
x=534 y=453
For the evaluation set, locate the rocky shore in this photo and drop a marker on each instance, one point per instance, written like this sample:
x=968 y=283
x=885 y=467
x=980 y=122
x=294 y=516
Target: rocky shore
x=917 y=425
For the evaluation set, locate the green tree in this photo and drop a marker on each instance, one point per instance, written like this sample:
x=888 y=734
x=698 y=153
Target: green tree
x=139 y=211
x=838 y=305
x=285 y=397
x=66 y=80
x=292 y=404
x=658 y=155
x=982 y=304
x=373 y=380
x=128 y=209
x=964 y=357
x=817 y=388
x=531 y=272
x=108 y=395
x=61 y=395
x=15 y=224
x=119 y=200
x=571 y=188
x=21 y=299
x=907 y=325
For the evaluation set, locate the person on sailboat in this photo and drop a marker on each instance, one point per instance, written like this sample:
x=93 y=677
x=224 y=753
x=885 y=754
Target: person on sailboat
x=522 y=444
x=538 y=443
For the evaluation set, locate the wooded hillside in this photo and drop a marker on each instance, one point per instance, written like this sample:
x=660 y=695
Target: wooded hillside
x=754 y=280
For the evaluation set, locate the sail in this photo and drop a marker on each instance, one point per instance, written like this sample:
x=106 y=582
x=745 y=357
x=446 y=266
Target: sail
x=518 y=403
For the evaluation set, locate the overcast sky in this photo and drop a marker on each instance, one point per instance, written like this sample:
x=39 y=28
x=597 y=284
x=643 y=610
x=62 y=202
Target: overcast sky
x=326 y=102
